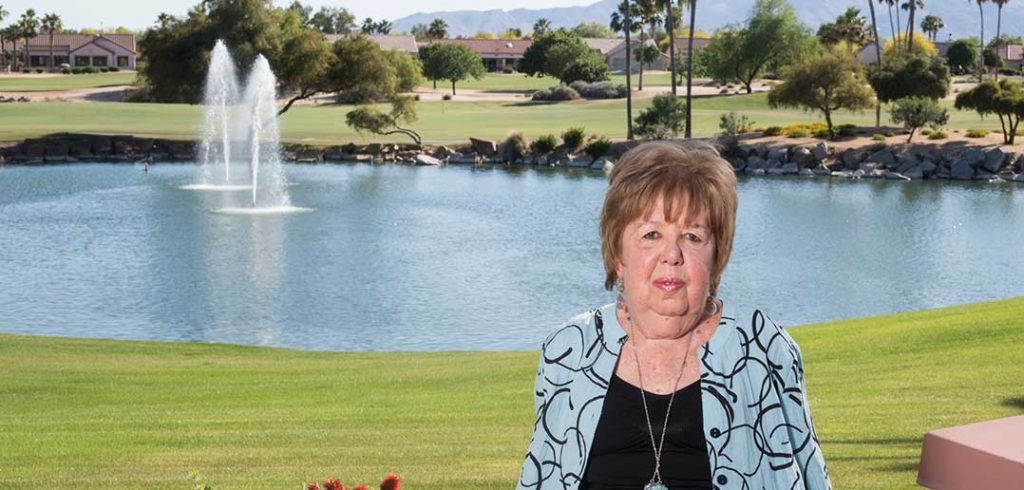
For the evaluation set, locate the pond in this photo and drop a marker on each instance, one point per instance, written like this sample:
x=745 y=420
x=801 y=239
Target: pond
x=457 y=258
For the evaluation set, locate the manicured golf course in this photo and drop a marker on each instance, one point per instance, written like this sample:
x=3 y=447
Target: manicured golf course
x=99 y=414
x=440 y=122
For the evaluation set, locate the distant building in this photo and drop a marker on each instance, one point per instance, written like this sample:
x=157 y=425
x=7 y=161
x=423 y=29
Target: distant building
x=614 y=52
x=79 y=50
x=1012 y=55
x=868 y=55
x=495 y=53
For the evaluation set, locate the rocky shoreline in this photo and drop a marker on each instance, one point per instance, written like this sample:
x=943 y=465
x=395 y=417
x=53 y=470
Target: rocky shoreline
x=766 y=158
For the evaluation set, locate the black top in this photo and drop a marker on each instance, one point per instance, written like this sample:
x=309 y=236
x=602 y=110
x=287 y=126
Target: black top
x=622 y=457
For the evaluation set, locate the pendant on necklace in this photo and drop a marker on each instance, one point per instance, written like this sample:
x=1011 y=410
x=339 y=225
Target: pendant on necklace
x=655 y=486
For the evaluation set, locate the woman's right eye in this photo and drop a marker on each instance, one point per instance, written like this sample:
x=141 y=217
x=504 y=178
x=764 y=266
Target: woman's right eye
x=651 y=235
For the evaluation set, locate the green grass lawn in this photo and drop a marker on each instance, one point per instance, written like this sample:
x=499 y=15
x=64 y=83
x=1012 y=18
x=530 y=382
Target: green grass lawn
x=517 y=82
x=439 y=122
x=97 y=414
x=32 y=83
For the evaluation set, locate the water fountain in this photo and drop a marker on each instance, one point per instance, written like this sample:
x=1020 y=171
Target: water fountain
x=240 y=127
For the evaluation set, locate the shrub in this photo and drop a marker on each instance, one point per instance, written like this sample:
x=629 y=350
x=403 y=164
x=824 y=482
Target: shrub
x=926 y=131
x=446 y=97
x=977 y=133
x=39 y=70
x=937 y=135
x=878 y=137
x=78 y=70
x=588 y=69
x=113 y=69
x=664 y=117
x=847 y=130
x=508 y=70
x=514 y=147
x=917 y=112
x=599 y=147
x=821 y=133
x=732 y=124
x=599 y=90
x=573 y=138
x=724 y=91
x=773 y=131
x=26 y=70
x=90 y=69
x=544 y=144
x=556 y=94
x=878 y=146
x=798 y=133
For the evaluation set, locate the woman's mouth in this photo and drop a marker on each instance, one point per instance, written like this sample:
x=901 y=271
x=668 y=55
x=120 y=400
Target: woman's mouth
x=669 y=284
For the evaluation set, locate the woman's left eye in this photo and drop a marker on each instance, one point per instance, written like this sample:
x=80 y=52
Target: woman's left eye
x=651 y=235
x=693 y=238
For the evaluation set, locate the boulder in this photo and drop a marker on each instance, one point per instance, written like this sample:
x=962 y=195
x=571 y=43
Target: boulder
x=858 y=174
x=541 y=160
x=790 y=168
x=973 y=157
x=895 y=176
x=581 y=161
x=422 y=159
x=822 y=170
x=843 y=174
x=914 y=173
x=443 y=152
x=755 y=162
x=983 y=174
x=602 y=163
x=906 y=161
x=122 y=147
x=993 y=160
x=773 y=163
x=870 y=166
x=949 y=155
x=883 y=157
x=820 y=151
x=851 y=159
x=806 y=172
x=803 y=158
x=757 y=171
x=778 y=153
x=463 y=158
x=928 y=167
x=308 y=155
x=356 y=157
x=745 y=150
x=1019 y=178
x=962 y=170
x=486 y=148
x=878 y=173
x=738 y=164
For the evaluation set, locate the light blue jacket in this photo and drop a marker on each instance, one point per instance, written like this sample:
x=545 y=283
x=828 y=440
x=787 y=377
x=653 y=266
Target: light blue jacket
x=757 y=423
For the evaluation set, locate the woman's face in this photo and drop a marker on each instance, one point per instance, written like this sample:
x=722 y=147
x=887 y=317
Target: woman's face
x=666 y=266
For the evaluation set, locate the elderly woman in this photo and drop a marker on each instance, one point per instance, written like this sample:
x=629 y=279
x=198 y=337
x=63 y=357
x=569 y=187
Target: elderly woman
x=671 y=387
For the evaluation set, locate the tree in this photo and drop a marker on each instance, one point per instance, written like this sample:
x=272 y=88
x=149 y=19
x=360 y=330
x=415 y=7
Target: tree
x=592 y=29
x=917 y=112
x=438 y=29
x=663 y=118
x=333 y=20
x=910 y=75
x=1004 y=98
x=309 y=66
x=403 y=110
x=825 y=82
x=552 y=53
x=773 y=37
x=892 y=26
x=541 y=27
x=921 y=45
x=931 y=25
x=962 y=54
x=408 y=70
x=999 y=23
x=511 y=34
x=646 y=12
x=28 y=26
x=453 y=62
x=622 y=20
x=878 y=56
x=4 y=35
x=419 y=31
x=692 y=7
x=587 y=69
x=981 y=17
x=51 y=24
x=912 y=6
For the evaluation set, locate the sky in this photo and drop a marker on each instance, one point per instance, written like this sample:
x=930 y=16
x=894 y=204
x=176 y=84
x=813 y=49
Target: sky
x=136 y=14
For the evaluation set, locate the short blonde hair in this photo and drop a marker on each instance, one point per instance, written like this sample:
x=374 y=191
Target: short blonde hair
x=687 y=175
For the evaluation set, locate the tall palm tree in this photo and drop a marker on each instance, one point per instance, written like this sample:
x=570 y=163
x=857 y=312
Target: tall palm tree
x=981 y=45
x=622 y=20
x=670 y=28
x=29 y=27
x=892 y=26
x=647 y=12
x=438 y=29
x=931 y=25
x=3 y=35
x=912 y=6
x=878 y=61
x=541 y=26
x=51 y=23
x=999 y=24
x=692 y=6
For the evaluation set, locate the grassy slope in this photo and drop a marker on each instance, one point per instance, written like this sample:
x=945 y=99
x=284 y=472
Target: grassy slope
x=30 y=83
x=99 y=414
x=439 y=122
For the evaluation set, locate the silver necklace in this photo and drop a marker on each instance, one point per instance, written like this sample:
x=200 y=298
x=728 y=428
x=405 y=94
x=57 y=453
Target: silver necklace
x=656 y=483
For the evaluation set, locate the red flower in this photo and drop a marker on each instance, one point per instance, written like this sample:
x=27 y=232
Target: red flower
x=390 y=482
x=332 y=484
x=360 y=487
x=313 y=486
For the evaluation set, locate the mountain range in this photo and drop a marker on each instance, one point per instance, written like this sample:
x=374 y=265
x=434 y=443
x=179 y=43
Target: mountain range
x=960 y=16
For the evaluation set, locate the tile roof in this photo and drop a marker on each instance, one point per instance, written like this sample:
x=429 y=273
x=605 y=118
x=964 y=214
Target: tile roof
x=494 y=47
x=75 y=41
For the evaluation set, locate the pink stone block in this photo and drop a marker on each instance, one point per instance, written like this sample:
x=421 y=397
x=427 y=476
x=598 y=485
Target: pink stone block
x=985 y=455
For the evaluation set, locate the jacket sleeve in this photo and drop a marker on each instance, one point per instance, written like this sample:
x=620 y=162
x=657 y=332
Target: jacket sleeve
x=802 y=437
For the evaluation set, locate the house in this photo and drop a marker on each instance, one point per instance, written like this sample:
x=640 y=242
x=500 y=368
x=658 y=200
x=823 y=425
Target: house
x=614 y=52
x=1012 y=55
x=405 y=44
x=79 y=50
x=682 y=44
x=495 y=53
x=868 y=55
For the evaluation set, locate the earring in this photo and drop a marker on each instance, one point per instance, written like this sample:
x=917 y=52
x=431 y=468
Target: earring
x=712 y=306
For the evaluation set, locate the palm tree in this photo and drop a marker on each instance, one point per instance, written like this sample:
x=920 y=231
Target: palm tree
x=541 y=26
x=670 y=28
x=892 y=26
x=912 y=6
x=438 y=29
x=51 y=23
x=878 y=55
x=981 y=45
x=931 y=25
x=3 y=35
x=29 y=27
x=692 y=6
x=999 y=24
x=646 y=11
x=622 y=20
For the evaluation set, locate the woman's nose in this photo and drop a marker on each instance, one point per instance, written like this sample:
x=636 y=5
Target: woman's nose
x=672 y=254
